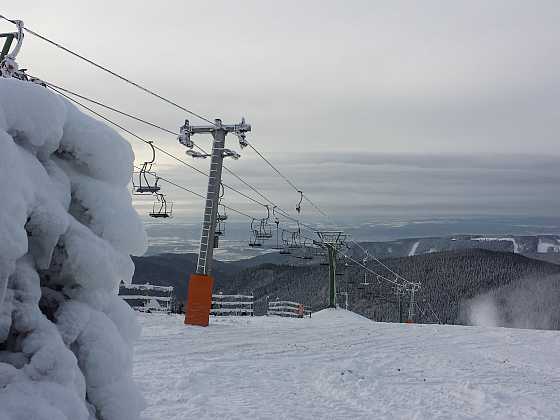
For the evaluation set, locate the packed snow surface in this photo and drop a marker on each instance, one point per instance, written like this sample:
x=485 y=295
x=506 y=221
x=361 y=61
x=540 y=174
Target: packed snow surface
x=338 y=365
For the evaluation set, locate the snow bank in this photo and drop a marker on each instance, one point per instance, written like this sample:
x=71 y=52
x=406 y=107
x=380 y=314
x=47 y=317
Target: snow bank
x=67 y=229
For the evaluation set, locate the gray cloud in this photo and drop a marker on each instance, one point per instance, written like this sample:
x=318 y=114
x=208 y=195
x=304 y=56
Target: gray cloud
x=372 y=106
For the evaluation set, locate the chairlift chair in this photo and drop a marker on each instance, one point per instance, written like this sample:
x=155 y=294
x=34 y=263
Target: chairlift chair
x=365 y=282
x=140 y=180
x=221 y=217
x=265 y=230
x=254 y=239
x=277 y=222
x=161 y=208
x=307 y=250
x=220 y=228
x=285 y=249
x=295 y=242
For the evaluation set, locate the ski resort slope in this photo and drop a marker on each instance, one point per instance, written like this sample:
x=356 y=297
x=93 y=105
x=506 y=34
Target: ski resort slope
x=338 y=365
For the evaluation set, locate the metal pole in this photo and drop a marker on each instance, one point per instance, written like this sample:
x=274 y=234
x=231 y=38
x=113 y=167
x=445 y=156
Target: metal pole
x=7 y=45
x=400 y=303
x=332 y=275
x=204 y=264
x=411 y=307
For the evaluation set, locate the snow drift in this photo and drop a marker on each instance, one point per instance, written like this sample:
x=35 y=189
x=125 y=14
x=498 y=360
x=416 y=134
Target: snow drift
x=67 y=229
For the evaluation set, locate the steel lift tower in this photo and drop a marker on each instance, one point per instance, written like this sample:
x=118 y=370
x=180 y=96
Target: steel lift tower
x=200 y=284
x=332 y=241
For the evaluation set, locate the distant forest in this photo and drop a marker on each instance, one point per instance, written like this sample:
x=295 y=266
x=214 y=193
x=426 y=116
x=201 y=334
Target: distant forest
x=450 y=280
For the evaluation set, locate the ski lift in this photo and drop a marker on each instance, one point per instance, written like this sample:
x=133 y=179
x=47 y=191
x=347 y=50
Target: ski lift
x=344 y=267
x=365 y=282
x=161 y=208
x=140 y=181
x=318 y=251
x=298 y=207
x=296 y=238
x=265 y=231
x=8 y=65
x=307 y=253
x=220 y=228
x=286 y=244
x=221 y=217
x=277 y=222
x=254 y=239
x=294 y=242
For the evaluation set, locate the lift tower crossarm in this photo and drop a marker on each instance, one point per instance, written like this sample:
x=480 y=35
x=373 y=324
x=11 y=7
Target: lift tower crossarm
x=219 y=132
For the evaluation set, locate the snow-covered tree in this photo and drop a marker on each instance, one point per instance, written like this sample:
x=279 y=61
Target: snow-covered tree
x=67 y=230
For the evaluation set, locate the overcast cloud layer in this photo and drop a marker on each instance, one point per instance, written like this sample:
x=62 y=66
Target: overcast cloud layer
x=374 y=107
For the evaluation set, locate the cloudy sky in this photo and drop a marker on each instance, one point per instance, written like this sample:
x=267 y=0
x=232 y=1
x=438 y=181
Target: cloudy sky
x=373 y=108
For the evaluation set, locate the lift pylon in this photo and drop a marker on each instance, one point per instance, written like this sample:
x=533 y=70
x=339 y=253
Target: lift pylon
x=202 y=298
x=332 y=241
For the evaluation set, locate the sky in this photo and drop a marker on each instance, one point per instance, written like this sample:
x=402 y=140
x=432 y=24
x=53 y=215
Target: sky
x=373 y=108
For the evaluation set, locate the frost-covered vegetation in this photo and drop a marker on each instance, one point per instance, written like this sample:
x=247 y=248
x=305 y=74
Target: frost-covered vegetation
x=67 y=229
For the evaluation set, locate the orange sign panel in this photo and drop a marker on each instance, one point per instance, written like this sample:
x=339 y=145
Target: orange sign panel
x=199 y=301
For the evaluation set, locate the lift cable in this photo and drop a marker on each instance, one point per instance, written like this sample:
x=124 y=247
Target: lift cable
x=155 y=146
x=111 y=72
x=149 y=91
x=321 y=211
x=185 y=109
x=394 y=282
x=198 y=194
x=169 y=154
x=60 y=89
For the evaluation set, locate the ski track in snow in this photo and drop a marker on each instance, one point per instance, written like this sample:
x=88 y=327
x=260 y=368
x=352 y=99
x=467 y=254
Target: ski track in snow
x=413 y=249
x=512 y=240
x=338 y=365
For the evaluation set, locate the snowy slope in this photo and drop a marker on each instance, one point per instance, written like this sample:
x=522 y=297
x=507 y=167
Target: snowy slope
x=340 y=365
x=413 y=249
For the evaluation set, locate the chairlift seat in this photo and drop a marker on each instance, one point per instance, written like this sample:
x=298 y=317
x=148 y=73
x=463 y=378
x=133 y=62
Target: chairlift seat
x=160 y=215
x=262 y=235
x=151 y=189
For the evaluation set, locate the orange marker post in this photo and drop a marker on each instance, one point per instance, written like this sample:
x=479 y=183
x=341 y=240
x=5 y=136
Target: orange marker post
x=199 y=301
